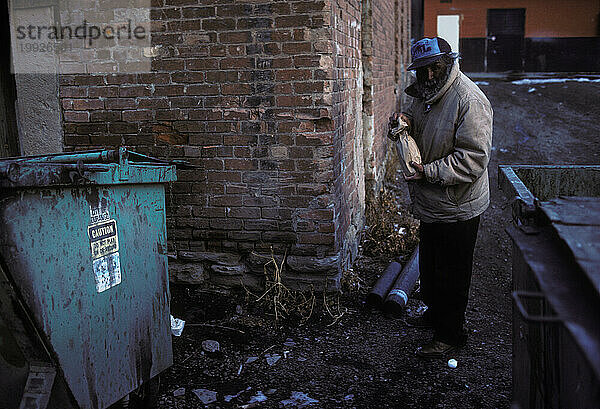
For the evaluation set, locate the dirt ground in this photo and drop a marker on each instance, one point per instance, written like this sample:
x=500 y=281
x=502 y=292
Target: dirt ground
x=365 y=359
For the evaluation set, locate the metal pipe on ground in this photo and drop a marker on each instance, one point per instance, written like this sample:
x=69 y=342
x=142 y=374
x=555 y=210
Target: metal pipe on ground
x=405 y=282
x=383 y=285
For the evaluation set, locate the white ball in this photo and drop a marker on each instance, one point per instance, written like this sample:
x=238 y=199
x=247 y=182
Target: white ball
x=452 y=363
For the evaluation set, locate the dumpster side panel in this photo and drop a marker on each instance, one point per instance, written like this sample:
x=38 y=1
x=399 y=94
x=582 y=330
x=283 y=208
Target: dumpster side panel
x=578 y=386
x=552 y=365
x=521 y=364
x=107 y=342
x=535 y=346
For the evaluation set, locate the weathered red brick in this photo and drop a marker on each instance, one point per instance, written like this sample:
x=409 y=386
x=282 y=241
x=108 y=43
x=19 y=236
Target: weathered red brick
x=119 y=79
x=293 y=100
x=198 y=12
x=258 y=224
x=105 y=91
x=316 y=238
x=236 y=89
x=227 y=200
x=187 y=76
x=307 y=6
x=202 y=89
x=206 y=63
x=186 y=102
x=169 y=114
x=137 y=115
x=255 y=22
x=91 y=128
x=153 y=78
x=241 y=62
x=73 y=92
x=134 y=91
x=218 y=24
x=246 y=236
x=153 y=103
x=234 y=10
x=235 y=37
x=225 y=176
x=222 y=102
x=167 y=65
x=87 y=104
x=105 y=116
x=241 y=164
x=300 y=20
x=293 y=75
x=279 y=236
x=205 y=114
x=297 y=48
x=123 y=127
x=76 y=116
x=120 y=103
x=244 y=212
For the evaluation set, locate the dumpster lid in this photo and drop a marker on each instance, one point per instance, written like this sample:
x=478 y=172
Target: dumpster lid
x=97 y=157
x=577 y=221
x=87 y=167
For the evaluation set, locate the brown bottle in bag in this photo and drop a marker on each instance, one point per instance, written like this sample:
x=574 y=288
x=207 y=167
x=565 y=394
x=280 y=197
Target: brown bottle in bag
x=408 y=151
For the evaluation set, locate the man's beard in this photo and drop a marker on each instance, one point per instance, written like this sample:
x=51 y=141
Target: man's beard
x=428 y=88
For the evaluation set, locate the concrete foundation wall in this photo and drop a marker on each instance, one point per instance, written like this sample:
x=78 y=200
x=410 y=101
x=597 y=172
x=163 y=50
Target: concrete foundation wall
x=38 y=113
x=39 y=118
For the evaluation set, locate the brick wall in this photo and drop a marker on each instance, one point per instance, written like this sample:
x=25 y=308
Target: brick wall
x=385 y=32
x=345 y=20
x=385 y=44
x=265 y=97
x=403 y=77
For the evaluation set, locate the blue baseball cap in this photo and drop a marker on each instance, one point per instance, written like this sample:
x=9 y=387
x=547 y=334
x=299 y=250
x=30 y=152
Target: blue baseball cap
x=427 y=51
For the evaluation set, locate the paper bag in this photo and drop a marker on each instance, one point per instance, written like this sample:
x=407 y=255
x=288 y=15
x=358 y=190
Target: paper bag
x=408 y=151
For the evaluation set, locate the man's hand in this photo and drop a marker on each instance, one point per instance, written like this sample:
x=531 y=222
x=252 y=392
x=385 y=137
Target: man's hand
x=394 y=123
x=407 y=120
x=396 y=116
x=419 y=174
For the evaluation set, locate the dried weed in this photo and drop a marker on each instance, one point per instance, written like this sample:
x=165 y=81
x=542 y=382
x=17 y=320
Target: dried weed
x=296 y=305
x=390 y=230
x=279 y=299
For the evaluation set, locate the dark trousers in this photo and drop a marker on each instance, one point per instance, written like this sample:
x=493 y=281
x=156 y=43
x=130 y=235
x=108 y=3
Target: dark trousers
x=445 y=267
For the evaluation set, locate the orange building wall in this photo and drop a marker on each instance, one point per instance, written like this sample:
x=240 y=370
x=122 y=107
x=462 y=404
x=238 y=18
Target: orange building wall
x=543 y=18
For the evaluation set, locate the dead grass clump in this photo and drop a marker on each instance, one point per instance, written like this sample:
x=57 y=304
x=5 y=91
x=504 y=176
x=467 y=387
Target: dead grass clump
x=282 y=302
x=389 y=230
x=352 y=281
x=292 y=305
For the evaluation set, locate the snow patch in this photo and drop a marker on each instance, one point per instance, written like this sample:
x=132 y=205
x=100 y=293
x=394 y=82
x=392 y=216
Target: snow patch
x=552 y=81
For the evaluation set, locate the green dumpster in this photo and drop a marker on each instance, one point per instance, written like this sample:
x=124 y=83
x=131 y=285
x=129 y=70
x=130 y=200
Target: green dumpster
x=556 y=284
x=84 y=293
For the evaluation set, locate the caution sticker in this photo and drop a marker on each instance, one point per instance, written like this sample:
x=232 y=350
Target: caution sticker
x=103 y=238
x=104 y=243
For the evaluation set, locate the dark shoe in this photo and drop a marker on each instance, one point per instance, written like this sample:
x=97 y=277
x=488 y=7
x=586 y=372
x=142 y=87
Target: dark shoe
x=435 y=349
x=420 y=321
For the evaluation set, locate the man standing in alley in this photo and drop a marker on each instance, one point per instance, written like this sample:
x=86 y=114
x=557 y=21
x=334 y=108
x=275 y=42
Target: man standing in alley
x=451 y=121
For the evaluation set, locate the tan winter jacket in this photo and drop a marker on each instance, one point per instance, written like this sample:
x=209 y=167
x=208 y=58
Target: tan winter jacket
x=453 y=130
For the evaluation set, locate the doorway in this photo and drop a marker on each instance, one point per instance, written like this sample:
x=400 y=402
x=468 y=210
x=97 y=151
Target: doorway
x=505 y=40
x=448 y=27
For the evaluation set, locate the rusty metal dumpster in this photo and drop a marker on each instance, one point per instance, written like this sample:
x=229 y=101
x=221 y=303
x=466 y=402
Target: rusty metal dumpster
x=84 y=294
x=556 y=284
